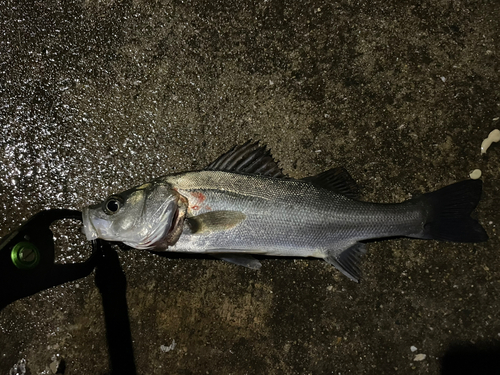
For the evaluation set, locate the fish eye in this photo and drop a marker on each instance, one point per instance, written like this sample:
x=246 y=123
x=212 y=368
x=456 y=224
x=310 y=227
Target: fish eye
x=112 y=205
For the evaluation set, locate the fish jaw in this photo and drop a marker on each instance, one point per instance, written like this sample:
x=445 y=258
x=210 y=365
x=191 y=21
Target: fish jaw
x=88 y=228
x=94 y=225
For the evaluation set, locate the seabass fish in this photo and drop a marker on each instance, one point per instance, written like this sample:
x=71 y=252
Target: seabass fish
x=242 y=204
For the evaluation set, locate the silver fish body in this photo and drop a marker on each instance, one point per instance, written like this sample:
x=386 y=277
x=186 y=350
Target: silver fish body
x=230 y=211
x=285 y=217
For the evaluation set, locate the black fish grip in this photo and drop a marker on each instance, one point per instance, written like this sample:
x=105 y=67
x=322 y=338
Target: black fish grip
x=27 y=258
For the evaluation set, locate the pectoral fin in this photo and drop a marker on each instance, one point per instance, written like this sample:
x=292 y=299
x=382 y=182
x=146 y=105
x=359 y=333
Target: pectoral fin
x=244 y=260
x=348 y=260
x=210 y=222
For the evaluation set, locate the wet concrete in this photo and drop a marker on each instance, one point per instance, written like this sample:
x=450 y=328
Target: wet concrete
x=97 y=96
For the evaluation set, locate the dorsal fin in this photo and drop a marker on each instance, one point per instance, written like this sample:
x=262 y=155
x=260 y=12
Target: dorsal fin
x=247 y=158
x=337 y=180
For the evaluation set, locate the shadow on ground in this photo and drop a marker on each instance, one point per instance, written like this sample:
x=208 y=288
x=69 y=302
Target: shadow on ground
x=466 y=358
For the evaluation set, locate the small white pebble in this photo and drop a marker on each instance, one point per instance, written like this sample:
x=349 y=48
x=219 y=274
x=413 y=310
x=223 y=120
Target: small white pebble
x=413 y=348
x=496 y=119
x=494 y=136
x=54 y=366
x=166 y=349
x=419 y=357
x=475 y=174
x=443 y=79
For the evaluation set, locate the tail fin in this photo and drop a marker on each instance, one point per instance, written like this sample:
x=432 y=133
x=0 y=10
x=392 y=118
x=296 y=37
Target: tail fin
x=448 y=213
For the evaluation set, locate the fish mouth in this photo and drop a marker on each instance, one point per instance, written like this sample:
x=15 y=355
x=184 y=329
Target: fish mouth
x=88 y=227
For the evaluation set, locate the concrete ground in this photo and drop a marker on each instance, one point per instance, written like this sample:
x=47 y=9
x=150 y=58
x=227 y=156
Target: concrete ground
x=98 y=96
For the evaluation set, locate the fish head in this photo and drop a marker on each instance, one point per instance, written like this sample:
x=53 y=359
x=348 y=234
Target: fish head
x=149 y=216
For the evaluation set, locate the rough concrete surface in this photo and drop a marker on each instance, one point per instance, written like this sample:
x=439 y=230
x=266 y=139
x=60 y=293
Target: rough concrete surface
x=98 y=96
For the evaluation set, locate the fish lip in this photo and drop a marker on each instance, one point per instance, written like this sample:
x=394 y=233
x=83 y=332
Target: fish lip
x=88 y=227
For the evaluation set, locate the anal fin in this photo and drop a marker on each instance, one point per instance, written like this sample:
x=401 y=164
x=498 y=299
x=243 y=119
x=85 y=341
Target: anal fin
x=244 y=260
x=348 y=261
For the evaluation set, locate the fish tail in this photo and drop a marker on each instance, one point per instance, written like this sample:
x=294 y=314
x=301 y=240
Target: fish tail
x=448 y=213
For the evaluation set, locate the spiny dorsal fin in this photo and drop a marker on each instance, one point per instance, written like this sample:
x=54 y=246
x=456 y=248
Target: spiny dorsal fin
x=216 y=221
x=337 y=180
x=247 y=158
x=348 y=261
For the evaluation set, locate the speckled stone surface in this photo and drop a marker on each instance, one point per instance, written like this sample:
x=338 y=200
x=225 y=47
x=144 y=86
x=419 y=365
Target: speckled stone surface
x=98 y=96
